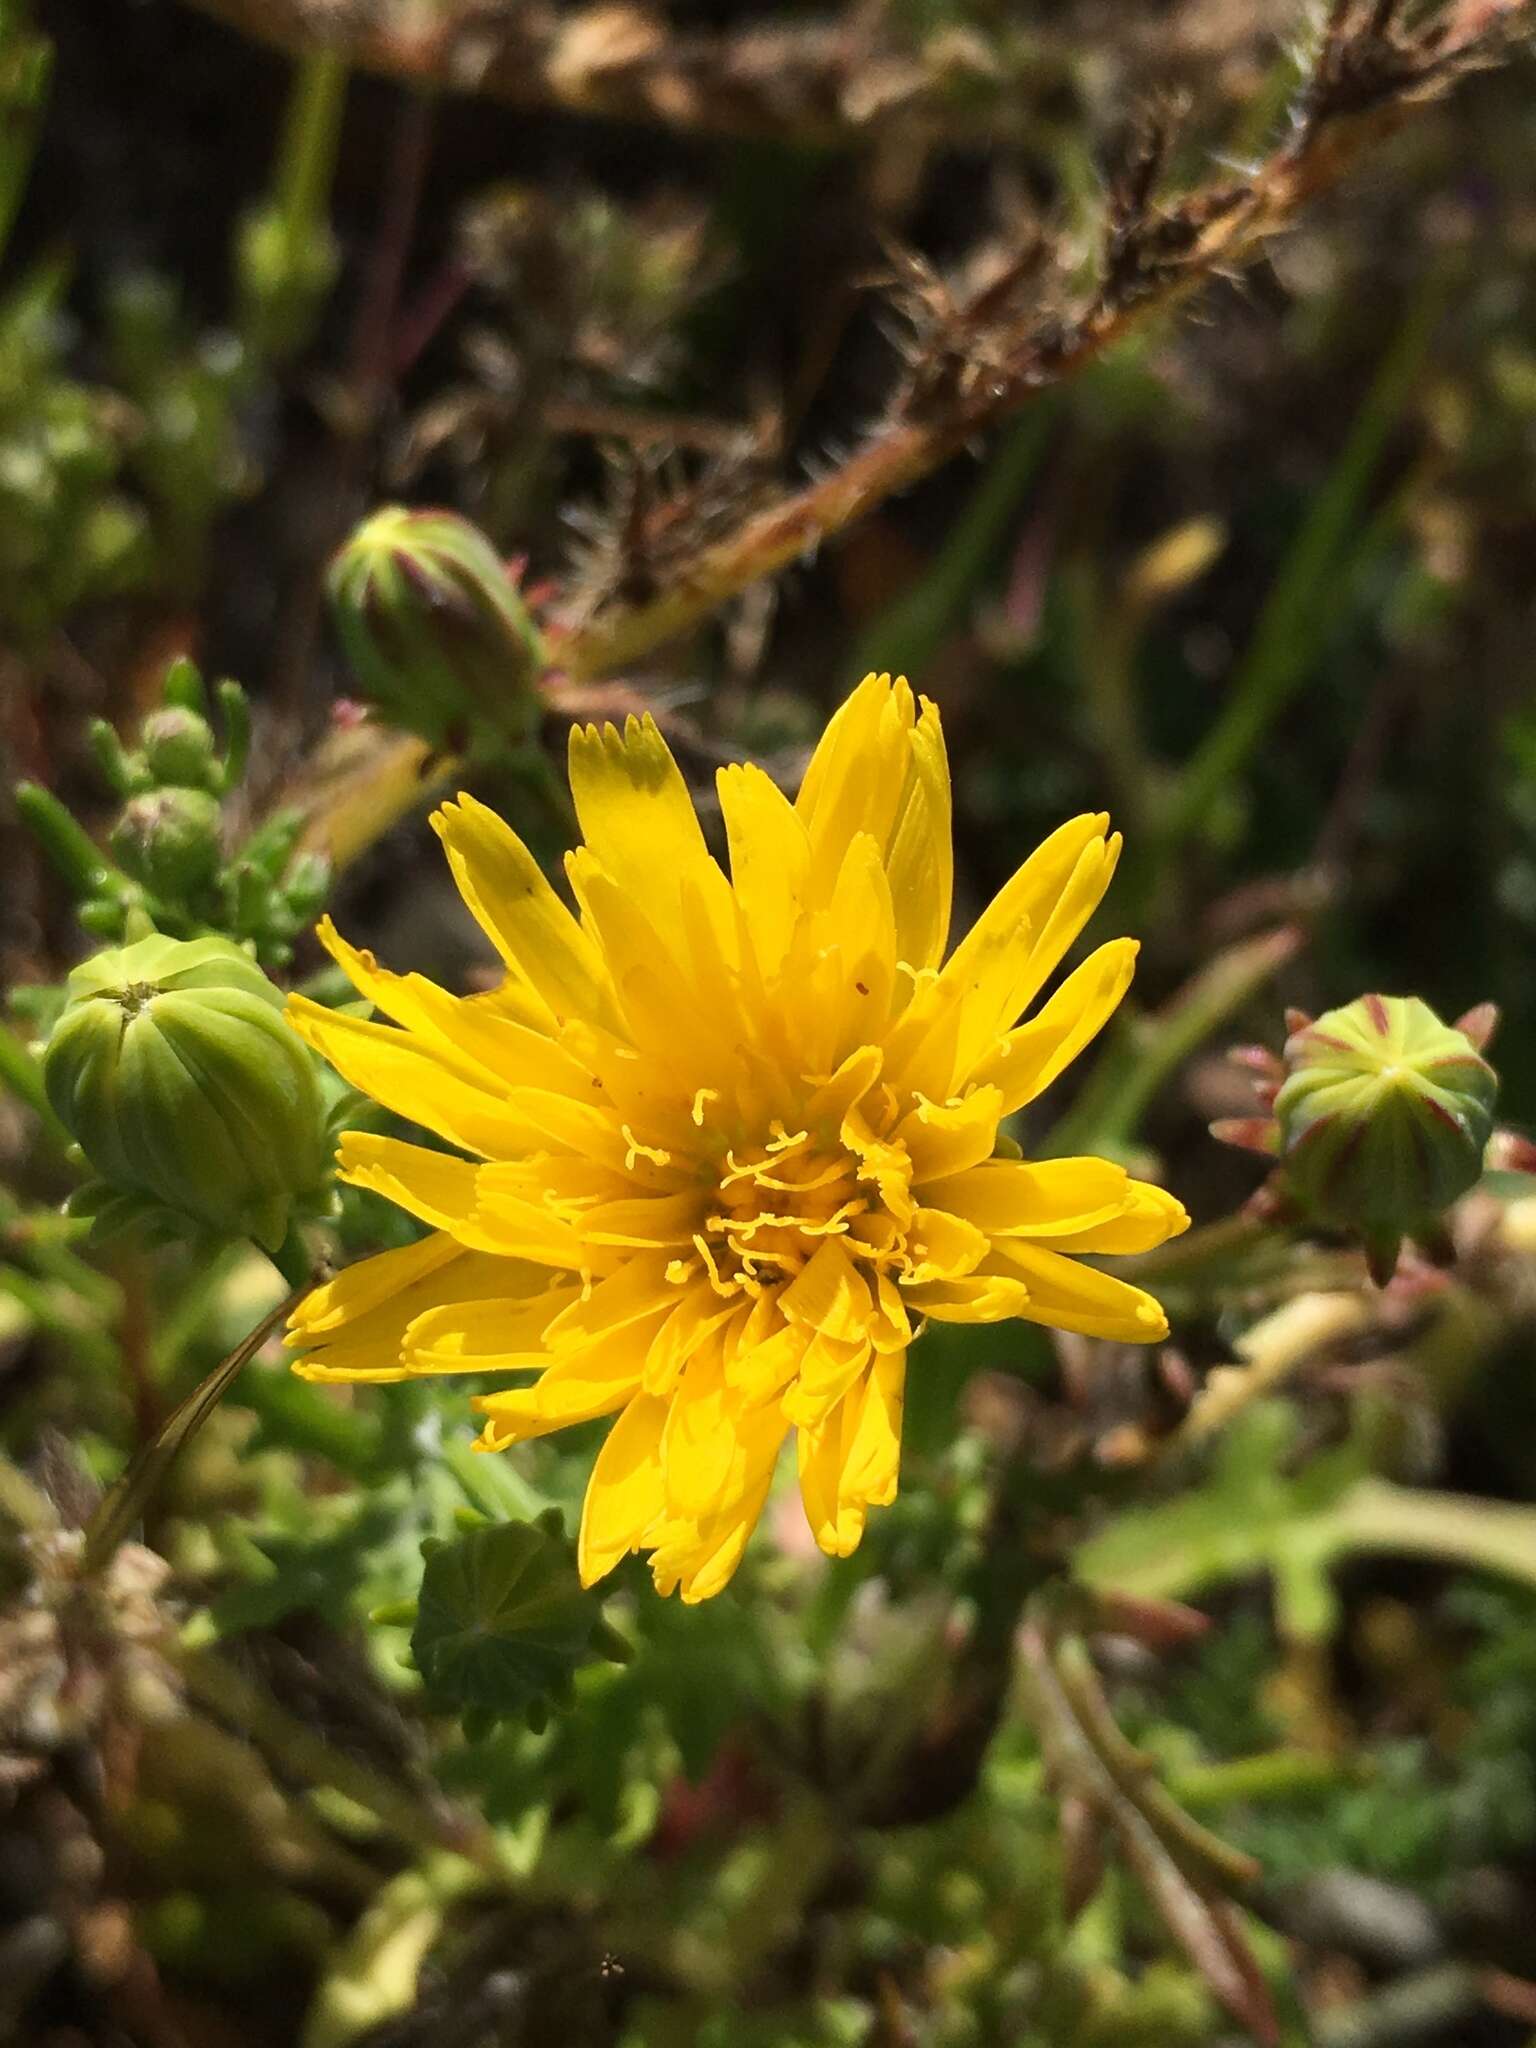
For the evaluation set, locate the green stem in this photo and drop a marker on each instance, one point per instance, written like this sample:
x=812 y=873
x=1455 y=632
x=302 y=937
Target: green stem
x=307 y=154
x=125 y=1503
x=909 y=633
x=294 y=1261
x=1294 y=619
x=1109 y=1111
x=1105 y=633
x=1276 y=1777
x=1491 y=1535
x=26 y=65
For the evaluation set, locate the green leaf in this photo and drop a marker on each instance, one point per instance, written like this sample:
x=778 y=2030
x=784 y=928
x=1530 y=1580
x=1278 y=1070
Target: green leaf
x=503 y=1623
x=309 y=1572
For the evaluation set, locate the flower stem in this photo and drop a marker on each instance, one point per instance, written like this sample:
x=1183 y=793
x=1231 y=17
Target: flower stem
x=124 y=1504
x=1295 y=617
x=311 y=131
x=25 y=69
x=294 y=1261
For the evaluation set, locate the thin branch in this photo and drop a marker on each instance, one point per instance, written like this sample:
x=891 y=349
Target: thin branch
x=975 y=369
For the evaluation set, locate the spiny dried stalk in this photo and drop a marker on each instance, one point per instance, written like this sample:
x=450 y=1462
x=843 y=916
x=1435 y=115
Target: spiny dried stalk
x=975 y=360
x=975 y=363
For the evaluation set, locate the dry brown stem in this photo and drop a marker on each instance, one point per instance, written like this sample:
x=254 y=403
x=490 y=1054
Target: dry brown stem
x=975 y=363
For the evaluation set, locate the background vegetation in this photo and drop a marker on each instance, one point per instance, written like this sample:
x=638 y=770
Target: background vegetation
x=1153 y=383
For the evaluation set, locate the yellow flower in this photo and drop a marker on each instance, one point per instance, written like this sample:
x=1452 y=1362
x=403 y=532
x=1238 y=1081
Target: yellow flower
x=733 y=1141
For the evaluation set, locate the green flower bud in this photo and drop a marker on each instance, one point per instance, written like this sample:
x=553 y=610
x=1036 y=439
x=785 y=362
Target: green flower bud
x=173 y=1070
x=168 y=839
x=434 y=626
x=178 y=748
x=1383 y=1118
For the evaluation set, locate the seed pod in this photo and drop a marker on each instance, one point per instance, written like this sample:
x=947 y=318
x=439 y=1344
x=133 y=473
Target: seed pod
x=172 y=1068
x=434 y=627
x=1383 y=1119
x=168 y=839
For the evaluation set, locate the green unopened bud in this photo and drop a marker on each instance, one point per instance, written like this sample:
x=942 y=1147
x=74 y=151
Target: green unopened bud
x=434 y=626
x=1383 y=1119
x=178 y=748
x=168 y=839
x=173 y=1070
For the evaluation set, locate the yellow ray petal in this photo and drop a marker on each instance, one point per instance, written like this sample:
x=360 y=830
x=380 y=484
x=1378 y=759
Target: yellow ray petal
x=1028 y=900
x=1078 y=899
x=517 y=1002
x=514 y=905
x=920 y=861
x=625 y=1493
x=979 y=1298
x=415 y=1077
x=1037 y=1198
x=695 y=1318
x=942 y=1246
x=856 y=775
x=758 y=1371
x=872 y=1464
x=1150 y=1217
x=770 y=859
x=367 y=1283
x=1070 y=1296
x=829 y=1294
x=698 y=1558
x=521 y=1227
x=666 y=1016
x=578 y=1387
x=1032 y=1057
x=819 y=1454
x=473 y=1028
x=638 y=820
x=954 y=1026
x=942 y=1138
x=850 y=1081
x=851 y=1462
x=701 y=1444
x=360 y=1326
x=493 y=1335
x=856 y=936
x=645 y=1222
x=827 y=1370
x=639 y=1287
x=432 y=1185
x=584 y=1125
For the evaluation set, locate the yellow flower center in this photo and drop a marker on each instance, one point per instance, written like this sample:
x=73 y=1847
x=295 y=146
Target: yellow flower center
x=776 y=1203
